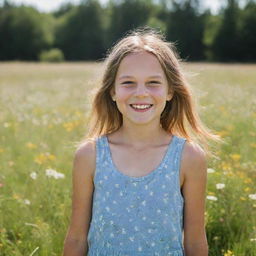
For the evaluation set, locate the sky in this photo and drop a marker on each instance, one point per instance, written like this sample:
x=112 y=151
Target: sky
x=51 y=5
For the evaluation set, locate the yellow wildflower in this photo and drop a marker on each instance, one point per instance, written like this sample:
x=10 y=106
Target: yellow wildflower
x=11 y=163
x=248 y=180
x=69 y=126
x=242 y=198
x=31 y=145
x=50 y=156
x=16 y=196
x=235 y=157
x=229 y=253
x=44 y=157
x=40 y=159
x=247 y=189
x=1 y=150
x=226 y=166
x=222 y=133
x=253 y=145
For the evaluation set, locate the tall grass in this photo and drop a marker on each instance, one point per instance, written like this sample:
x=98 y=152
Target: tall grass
x=44 y=111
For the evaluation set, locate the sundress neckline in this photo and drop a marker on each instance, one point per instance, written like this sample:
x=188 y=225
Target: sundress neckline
x=139 y=178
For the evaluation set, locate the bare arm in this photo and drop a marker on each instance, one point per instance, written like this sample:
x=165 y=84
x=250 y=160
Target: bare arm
x=194 y=167
x=75 y=243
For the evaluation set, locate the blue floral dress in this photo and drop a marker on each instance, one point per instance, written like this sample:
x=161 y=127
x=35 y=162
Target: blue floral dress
x=137 y=216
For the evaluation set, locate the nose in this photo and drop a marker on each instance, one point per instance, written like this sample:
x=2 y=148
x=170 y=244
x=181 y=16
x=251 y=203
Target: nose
x=141 y=90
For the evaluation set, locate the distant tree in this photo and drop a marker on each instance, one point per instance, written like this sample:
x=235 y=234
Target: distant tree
x=247 y=33
x=212 y=24
x=24 y=33
x=79 y=35
x=63 y=9
x=185 y=26
x=226 y=43
x=127 y=15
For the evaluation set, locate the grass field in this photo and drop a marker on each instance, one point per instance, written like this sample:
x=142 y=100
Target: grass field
x=44 y=111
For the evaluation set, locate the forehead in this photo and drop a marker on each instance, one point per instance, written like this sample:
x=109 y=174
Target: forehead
x=140 y=63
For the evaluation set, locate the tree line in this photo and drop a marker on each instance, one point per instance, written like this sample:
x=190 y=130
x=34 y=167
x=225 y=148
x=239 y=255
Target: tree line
x=87 y=30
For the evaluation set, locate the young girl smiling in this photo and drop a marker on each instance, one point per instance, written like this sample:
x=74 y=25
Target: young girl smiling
x=139 y=178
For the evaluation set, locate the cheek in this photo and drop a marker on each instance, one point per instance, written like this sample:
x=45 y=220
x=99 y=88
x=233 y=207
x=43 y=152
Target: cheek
x=122 y=95
x=159 y=94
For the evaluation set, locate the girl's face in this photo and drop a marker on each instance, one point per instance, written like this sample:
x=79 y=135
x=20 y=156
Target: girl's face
x=141 y=88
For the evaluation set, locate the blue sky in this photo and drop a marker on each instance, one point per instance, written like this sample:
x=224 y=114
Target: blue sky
x=50 y=5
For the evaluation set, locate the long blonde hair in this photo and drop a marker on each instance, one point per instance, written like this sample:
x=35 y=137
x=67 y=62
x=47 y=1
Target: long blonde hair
x=179 y=116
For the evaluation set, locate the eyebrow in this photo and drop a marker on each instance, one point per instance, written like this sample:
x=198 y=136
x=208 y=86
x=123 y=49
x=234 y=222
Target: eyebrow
x=126 y=76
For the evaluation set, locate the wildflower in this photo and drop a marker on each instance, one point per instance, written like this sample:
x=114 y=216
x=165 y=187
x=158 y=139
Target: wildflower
x=11 y=163
x=252 y=196
x=235 y=157
x=253 y=239
x=26 y=201
x=248 y=180
x=220 y=186
x=33 y=175
x=70 y=126
x=6 y=125
x=1 y=185
x=226 y=166
x=31 y=145
x=1 y=150
x=40 y=159
x=16 y=196
x=212 y=198
x=44 y=157
x=229 y=253
x=210 y=170
x=54 y=174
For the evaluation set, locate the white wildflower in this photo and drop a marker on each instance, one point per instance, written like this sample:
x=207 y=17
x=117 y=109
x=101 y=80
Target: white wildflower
x=54 y=174
x=213 y=198
x=220 y=186
x=33 y=175
x=26 y=201
x=252 y=196
x=210 y=170
x=253 y=239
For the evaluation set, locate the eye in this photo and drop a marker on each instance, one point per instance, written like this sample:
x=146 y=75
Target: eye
x=154 y=83
x=127 y=82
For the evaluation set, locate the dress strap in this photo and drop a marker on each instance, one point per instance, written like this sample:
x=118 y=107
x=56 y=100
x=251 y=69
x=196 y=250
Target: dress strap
x=180 y=142
x=101 y=154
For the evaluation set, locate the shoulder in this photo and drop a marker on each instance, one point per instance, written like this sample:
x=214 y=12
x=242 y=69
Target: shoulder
x=85 y=157
x=193 y=161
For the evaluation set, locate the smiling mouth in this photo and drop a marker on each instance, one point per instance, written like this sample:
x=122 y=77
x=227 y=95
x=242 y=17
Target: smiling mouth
x=141 y=107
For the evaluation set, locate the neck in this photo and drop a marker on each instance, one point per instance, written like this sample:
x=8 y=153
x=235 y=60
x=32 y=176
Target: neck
x=142 y=135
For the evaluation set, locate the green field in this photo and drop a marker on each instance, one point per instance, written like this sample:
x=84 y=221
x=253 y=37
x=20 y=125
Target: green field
x=44 y=111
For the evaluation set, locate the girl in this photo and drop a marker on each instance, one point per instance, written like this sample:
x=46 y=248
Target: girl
x=139 y=180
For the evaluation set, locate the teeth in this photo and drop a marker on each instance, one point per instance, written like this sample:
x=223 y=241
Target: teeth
x=141 y=106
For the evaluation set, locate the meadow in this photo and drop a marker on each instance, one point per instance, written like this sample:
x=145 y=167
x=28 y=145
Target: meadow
x=44 y=111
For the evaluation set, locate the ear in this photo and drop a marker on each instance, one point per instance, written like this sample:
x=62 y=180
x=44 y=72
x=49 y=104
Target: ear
x=112 y=94
x=169 y=95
